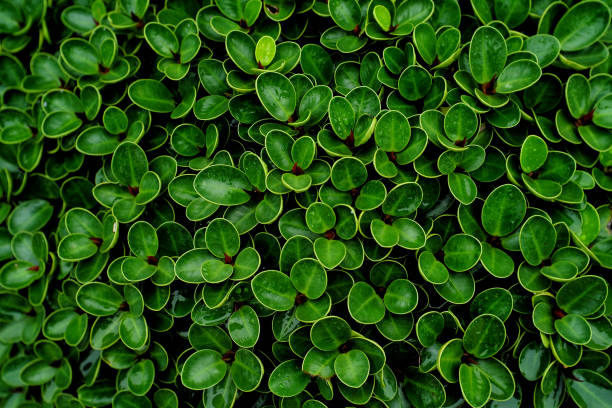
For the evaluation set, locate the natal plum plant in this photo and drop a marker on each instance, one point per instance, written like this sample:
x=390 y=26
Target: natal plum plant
x=305 y=204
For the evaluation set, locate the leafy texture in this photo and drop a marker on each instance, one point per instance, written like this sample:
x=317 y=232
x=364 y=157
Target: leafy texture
x=305 y=204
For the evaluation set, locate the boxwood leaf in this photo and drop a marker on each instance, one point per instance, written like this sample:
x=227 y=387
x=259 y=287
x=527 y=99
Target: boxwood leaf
x=99 y=299
x=487 y=54
x=151 y=95
x=287 y=379
x=484 y=336
x=475 y=385
x=582 y=25
x=352 y=368
x=277 y=95
x=203 y=369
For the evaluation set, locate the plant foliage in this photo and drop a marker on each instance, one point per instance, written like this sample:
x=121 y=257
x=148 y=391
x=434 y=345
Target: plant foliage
x=309 y=204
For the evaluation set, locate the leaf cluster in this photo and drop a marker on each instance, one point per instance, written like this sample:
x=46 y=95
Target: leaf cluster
x=305 y=204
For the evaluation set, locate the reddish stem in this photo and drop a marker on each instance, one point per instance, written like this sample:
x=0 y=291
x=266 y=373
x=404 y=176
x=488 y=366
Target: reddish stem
x=585 y=119
x=133 y=190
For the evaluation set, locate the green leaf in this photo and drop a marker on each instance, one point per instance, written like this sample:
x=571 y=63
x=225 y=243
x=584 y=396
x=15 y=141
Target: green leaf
x=222 y=184
x=487 y=54
x=533 y=153
x=462 y=188
x=329 y=252
x=17 y=274
x=511 y=12
x=165 y=397
x=115 y=120
x=414 y=83
x=274 y=290
x=403 y=200
x=127 y=399
x=265 y=50
x=495 y=301
x=203 y=369
x=287 y=379
x=484 y=336
x=99 y=299
x=315 y=61
x=502 y=382
x=129 y=164
x=151 y=95
x=78 y=18
x=320 y=218
x=544 y=46
x=533 y=360
x=428 y=327
x=602 y=111
x=345 y=13
x=314 y=104
x=382 y=17
x=329 y=333
x=352 y=368
x=38 y=372
x=560 y=271
x=574 y=328
x=348 y=173
x=460 y=123
x=161 y=39
x=411 y=234
x=365 y=306
x=431 y=269
x=215 y=271
x=140 y=377
x=241 y=49
x=142 y=239
x=341 y=116
x=134 y=331
x=210 y=107
x=246 y=264
x=423 y=389
x=392 y=133
x=582 y=25
x=582 y=296
x=401 y=296
x=137 y=269
x=247 y=370
x=243 y=326
x=56 y=124
x=319 y=363
x=537 y=239
x=222 y=239
x=588 y=388
x=577 y=95
x=475 y=385
x=81 y=56
x=96 y=141
x=385 y=235
x=76 y=247
x=29 y=215
x=425 y=41
x=461 y=252
x=224 y=392
x=277 y=95
x=309 y=277
x=517 y=76
x=449 y=360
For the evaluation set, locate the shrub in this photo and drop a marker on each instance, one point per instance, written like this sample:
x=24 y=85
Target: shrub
x=305 y=204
